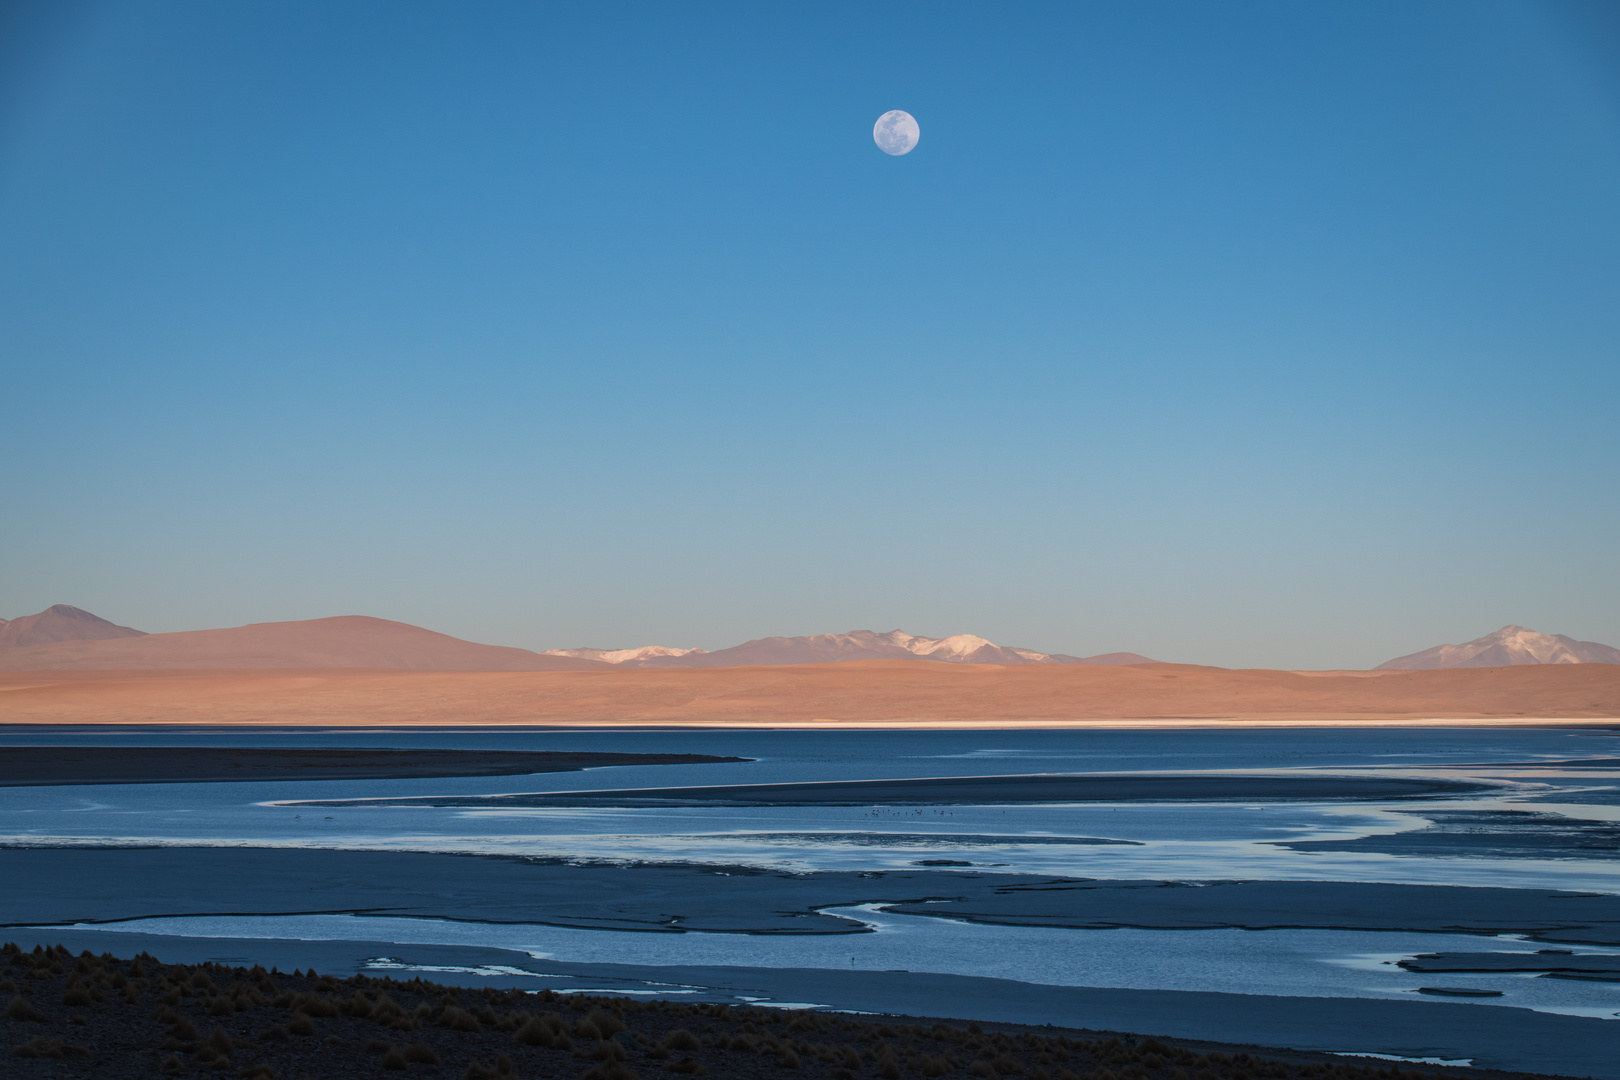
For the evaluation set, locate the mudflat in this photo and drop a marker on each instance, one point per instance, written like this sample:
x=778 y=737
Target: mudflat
x=24 y=766
x=867 y=693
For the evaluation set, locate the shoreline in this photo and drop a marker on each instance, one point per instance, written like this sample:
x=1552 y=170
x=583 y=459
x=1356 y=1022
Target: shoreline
x=1178 y=723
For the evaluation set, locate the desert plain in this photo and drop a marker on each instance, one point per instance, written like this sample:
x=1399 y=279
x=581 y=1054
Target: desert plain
x=873 y=693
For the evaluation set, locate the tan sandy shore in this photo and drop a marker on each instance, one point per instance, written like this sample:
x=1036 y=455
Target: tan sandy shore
x=876 y=693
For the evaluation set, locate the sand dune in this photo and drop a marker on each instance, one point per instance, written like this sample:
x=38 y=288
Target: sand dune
x=348 y=641
x=866 y=693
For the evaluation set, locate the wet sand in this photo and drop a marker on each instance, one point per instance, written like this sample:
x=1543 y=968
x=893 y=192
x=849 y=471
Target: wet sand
x=66 y=885
x=971 y=790
x=23 y=766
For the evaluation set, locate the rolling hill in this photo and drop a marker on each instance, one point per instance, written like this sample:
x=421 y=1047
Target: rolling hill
x=347 y=641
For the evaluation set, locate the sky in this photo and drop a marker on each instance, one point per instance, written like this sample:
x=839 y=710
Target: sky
x=1249 y=334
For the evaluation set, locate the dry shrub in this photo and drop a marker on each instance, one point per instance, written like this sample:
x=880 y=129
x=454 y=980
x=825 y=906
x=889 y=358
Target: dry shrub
x=607 y=1050
x=934 y=1065
x=76 y=996
x=458 y=1019
x=257 y=1072
x=421 y=1054
x=386 y=1010
x=276 y=1033
x=609 y=1070
x=183 y=1028
x=601 y=1024
x=683 y=1041
x=49 y=1048
x=315 y=1005
x=22 y=1009
x=690 y=1066
x=394 y=1060
x=300 y=1025
x=534 y=1033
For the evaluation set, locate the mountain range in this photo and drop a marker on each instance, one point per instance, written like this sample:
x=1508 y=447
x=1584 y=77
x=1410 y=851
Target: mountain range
x=832 y=648
x=63 y=637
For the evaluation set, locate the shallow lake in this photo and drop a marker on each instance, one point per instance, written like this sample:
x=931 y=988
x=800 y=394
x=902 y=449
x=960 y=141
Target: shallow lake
x=1178 y=841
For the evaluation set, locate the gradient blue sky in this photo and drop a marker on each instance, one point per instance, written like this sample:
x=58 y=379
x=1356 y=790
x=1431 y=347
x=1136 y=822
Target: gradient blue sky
x=1253 y=334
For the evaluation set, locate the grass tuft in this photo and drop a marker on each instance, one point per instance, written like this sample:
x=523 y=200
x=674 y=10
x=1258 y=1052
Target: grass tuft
x=23 y=1009
x=49 y=1048
x=420 y=1054
x=459 y=1019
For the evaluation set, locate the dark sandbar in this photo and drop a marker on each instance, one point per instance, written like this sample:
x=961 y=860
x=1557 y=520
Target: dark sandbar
x=970 y=790
x=45 y=765
x=1487 y=834
x=1563 y=961
x=66 y=885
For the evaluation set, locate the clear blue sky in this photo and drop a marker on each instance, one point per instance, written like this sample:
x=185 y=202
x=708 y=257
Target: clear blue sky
x=1254 y=334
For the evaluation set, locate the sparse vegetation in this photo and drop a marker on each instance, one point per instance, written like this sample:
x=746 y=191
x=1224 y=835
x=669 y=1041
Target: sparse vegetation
x=138 y=1018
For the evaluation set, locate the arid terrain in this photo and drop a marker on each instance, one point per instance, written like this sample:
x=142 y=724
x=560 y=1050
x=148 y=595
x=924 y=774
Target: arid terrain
x=861 y=693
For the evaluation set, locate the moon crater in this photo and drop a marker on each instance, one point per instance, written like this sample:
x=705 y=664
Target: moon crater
x=896 y=132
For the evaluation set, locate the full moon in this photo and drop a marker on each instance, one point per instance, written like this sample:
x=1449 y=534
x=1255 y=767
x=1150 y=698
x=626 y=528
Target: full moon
x=896 y=132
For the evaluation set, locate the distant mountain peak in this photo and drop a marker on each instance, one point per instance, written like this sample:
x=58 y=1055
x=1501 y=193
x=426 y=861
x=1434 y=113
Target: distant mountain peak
x=61 y=622
x=1510 y=646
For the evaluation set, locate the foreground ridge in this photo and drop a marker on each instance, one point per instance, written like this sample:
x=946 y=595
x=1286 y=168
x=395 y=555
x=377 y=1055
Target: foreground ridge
x=103 y=1017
